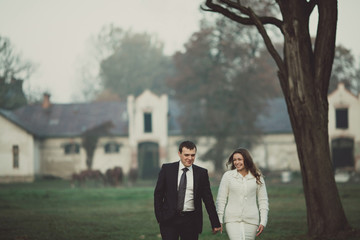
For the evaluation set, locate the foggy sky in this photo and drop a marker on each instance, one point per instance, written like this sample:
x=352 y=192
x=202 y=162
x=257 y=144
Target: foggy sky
x=55 y=33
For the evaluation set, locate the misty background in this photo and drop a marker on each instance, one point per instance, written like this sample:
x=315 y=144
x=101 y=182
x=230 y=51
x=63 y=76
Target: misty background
x=57 y=36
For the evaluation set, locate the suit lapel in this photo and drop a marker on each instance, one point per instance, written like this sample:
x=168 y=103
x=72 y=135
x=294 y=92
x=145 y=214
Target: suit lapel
x=196 y=177
x=174 y=174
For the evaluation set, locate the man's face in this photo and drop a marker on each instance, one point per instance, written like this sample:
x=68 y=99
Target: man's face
x=187 y=156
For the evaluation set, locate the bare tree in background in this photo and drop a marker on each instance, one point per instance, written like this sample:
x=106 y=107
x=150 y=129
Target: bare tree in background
x=344 y=70
x=12 y=65
x=13 y=70
x=125 y=63
x=304 y=73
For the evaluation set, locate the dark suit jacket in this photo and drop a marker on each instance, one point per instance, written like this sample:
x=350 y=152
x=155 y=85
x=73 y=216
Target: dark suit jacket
x=165 y=195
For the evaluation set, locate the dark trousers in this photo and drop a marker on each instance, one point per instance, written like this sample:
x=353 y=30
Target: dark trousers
x=183 y=225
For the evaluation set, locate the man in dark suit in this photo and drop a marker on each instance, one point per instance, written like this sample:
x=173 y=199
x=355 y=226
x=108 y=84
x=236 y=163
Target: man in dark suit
x=180 y=188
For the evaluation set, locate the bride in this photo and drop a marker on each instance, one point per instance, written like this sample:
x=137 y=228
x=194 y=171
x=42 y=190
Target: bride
x=236 y=202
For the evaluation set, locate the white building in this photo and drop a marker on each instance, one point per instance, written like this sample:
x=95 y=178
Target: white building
x=344 y=128
x=46 y=139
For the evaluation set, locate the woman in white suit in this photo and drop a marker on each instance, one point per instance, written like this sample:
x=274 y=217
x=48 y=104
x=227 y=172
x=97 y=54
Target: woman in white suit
x=236 y=202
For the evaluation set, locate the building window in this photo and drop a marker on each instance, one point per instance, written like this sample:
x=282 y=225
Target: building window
x=15 y=150
x=342 y=120
x=112 y=147
x=72 y=148
x=147 y=123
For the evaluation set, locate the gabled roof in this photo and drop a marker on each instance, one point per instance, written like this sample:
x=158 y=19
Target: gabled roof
x=73 y=120
x=8 y=114
x=70 y=120
x=341 y=88
x=275 y=119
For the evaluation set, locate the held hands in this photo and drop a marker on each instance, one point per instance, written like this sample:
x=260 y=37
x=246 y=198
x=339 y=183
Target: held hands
x=215 y=230
x=260 y=230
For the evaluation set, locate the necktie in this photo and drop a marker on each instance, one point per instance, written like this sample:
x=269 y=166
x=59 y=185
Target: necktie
x=182 y=189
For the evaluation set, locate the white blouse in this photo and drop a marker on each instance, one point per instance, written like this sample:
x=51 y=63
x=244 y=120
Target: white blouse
x=236 y=199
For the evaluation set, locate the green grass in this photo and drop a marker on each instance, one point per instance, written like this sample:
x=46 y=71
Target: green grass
x=53 y=210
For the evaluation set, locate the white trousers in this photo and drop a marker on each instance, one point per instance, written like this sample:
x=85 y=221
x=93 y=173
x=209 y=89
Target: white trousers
x=241 y=231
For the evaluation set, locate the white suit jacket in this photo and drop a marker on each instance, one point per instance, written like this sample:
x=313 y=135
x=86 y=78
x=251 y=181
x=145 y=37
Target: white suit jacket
x=242 y=199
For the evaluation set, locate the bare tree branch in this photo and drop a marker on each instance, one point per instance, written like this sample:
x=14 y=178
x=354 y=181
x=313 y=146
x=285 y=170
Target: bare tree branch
x=243 y=10
x=206 y=9
x=268 y=43
x=252 y=19
x=11 y=62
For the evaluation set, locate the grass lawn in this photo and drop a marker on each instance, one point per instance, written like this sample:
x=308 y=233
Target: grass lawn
x=53 y=210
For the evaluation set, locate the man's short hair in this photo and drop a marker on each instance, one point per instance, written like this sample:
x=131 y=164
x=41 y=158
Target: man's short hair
x=187 y=144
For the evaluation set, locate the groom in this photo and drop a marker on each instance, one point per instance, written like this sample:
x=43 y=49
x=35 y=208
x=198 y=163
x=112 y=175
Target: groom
x=177 y=198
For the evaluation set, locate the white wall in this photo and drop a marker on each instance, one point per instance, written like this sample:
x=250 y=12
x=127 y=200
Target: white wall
x=11 y=135
x=103 y=161
x=276 y=152
x=55 y=162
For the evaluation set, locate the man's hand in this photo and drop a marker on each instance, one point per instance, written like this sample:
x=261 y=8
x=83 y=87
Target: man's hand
x=260 y=230
x=215 y=230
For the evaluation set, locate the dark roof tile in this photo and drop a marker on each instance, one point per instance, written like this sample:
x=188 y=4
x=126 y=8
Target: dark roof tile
x=275 y=119
x=65 y=120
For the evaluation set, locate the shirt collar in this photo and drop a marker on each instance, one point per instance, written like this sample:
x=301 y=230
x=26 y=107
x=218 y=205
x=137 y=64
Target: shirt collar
x=181 y=166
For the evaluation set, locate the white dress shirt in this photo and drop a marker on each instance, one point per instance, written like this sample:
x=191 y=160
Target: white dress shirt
x=236 y=200
x=189 y=193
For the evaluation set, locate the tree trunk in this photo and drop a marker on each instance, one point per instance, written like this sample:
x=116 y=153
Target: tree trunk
x=217 y=154
x=304 y=85
x=325 y=214
x=304 y=75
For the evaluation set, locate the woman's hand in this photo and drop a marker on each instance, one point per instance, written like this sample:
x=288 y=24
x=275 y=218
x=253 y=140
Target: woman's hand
x=260 y=230
x=220 y=229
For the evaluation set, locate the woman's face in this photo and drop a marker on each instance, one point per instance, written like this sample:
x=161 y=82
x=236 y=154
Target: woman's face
x=238 y=161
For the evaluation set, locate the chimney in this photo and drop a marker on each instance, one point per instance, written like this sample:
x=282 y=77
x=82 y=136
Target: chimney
x=46 y=101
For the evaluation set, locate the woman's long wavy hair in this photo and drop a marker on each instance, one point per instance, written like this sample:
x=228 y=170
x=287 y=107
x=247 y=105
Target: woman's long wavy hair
x=248 y=162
